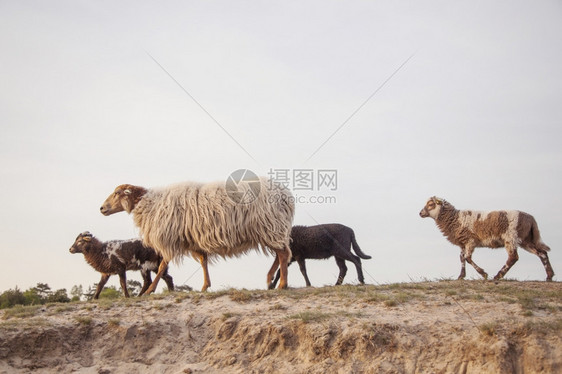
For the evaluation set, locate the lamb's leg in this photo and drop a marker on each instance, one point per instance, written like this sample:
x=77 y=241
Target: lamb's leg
x=123 y=281
x=147 y=280
x=468 y=257
x=169 y=280
x=283 y=255
x=543 y=255
x=101 y=283
x=546 y=263
x=161 y=269
x=275 y=280
x=463 y=266
x=302 y=266
x=203 y=258
x=343 y=270
x=512 y=258
x=274 y=266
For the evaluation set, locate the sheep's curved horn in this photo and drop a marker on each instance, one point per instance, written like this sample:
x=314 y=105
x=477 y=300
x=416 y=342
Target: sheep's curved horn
x=86 y=236
x=437 y=200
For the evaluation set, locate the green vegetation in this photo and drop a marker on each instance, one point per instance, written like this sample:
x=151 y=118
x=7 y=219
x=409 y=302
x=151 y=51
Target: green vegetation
x=40 y=294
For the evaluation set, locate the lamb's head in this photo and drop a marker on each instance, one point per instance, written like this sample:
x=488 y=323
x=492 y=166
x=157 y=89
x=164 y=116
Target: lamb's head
x=81 y=243
x=432 y=207
x=124 y=198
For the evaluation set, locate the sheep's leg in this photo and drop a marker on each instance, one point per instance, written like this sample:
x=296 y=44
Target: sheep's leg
x=123 y=281
x=161 y=269
x=275 y=280
x=543 y=257
x=147 y=280
x=169 y=280
x=101 y=283
x=347 y=255
x=274 y=266
x=512 y=258
x=343 y=270
x=302 y=266
x=463 y=266
x=468 y=257
x=546 y=263
x=203 y=258
x=283 y=255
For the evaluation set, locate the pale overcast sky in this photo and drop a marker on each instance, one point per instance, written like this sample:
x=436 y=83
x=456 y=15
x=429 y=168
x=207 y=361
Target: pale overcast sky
x=456 y=99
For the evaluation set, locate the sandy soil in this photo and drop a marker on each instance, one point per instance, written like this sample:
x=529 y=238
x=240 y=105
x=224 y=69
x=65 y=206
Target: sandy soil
x=430 y=327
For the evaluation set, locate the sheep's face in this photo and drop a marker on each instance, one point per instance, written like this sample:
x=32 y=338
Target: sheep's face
x=81 y=243
x=123 y=198
x=432 y=208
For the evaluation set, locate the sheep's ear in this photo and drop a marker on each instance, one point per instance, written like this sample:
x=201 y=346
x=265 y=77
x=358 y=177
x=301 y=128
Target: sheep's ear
x=127 y=191
x=87 y=238
x=437 y=200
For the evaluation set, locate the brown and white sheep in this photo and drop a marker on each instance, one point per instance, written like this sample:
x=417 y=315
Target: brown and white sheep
x=325 y=241
x=505 y=228
x=203 y=221
x=118 y=256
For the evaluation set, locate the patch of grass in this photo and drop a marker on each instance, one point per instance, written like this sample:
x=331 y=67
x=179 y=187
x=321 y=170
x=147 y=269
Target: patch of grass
x=390 y=303
x=541 y=327
x=488 y=329
x=181 y=296
x=21 y=311
x=228 y=315
x=59 y=308
x=277 y=306
x=241 y=296
x=215 y=294
x=14 y=324
x=377 y=297
x=113 y=322
x=105 y=304
x=345 y=313
x=83 y=320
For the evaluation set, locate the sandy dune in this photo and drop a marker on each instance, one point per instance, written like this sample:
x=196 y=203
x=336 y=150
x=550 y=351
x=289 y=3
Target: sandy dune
x=430 y=327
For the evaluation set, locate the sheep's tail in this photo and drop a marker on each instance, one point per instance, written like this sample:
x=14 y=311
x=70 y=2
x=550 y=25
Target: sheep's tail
x=539 y=244
x=357 y=249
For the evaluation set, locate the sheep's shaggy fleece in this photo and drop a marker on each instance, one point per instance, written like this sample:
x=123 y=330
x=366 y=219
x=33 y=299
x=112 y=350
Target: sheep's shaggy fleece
x=185 y=218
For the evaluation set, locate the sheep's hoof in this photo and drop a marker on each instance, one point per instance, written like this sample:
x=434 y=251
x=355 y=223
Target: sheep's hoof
x=549 y=279
x=271 y=286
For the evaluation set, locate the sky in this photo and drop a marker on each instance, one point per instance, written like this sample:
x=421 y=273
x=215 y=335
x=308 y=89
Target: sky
x=400 y=100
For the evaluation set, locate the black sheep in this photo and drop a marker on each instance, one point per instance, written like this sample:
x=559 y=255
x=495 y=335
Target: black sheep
x=325 y=241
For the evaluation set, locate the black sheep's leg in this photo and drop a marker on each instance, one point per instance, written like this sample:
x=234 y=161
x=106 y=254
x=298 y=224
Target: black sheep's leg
x=357 y=262
x=343 y=270
x=302 y=266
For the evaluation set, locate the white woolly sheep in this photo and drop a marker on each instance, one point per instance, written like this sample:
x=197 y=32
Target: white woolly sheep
x=118 y=256
x=203 y=221
x=470 y=229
